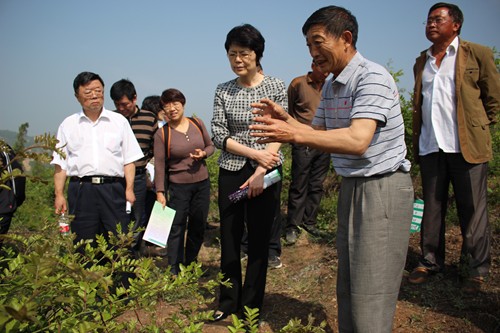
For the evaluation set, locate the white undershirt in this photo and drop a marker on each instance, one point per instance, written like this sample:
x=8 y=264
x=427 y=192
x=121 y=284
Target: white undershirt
x=439 y=111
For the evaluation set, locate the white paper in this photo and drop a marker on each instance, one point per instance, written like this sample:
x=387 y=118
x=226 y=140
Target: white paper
x=159 y=225
x=151 y=169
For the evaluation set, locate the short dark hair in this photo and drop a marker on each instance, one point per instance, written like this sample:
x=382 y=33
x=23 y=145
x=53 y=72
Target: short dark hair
x=454 y=12
x=122 y=88
x=172 y=95
x=246 y=35
x=336 y=20
x=84 y=78
x=151 y=103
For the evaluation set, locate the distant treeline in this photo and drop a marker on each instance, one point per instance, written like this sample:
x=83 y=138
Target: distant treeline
x=10 y=137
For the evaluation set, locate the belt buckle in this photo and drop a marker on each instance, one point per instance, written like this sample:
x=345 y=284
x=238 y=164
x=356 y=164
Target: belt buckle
x=97 y=180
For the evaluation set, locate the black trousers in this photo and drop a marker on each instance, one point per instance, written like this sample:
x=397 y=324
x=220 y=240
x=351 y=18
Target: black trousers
x=191 y=203
x=309 y=169
x=259 y=213
x=470 y=187
x=276 y=230
x=5 y=220
x=139 y=208
x=98 y=208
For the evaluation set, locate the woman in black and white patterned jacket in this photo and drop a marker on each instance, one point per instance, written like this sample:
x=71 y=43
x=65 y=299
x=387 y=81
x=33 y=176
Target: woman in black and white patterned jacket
x=244 y=162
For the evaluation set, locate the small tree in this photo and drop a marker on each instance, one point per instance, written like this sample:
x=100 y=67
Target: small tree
x=21 y=137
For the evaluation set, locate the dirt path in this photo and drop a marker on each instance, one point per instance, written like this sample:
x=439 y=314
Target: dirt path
x=306 y=285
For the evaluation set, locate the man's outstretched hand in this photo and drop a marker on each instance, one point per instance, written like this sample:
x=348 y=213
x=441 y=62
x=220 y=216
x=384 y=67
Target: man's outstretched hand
x=268 y=108
x=272 y=130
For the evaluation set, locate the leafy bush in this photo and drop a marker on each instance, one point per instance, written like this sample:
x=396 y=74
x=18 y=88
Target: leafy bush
x=213 y=171
x=39 y=183
x=39 y=202
x=48 y=284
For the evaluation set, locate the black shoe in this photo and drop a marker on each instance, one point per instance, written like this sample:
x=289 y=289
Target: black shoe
x=291 y=236
x=274 y=262
x=219 y=315
x=313 y=230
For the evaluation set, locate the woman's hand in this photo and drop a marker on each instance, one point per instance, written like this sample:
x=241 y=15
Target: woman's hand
x=266 y=159
x=255 y=183
x=198 y=154
x=160 y=197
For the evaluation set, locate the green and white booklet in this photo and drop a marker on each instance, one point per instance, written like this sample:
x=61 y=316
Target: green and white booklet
x=159 y=225
x=418 y=212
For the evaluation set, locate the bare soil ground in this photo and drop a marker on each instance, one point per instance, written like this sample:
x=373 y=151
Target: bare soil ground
x=306 y=285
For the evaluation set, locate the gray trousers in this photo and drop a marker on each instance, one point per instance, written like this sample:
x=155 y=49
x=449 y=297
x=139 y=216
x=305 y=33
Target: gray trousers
x=374 y=216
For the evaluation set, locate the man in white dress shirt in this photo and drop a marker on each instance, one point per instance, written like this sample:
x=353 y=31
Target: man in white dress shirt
x=456 y=101
x=100 y=149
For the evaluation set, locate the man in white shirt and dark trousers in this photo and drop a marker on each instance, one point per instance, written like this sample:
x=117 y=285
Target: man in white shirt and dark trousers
x=456 y=98
x=100 y=149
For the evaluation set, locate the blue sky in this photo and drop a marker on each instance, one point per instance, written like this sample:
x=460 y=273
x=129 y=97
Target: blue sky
x=164 y=44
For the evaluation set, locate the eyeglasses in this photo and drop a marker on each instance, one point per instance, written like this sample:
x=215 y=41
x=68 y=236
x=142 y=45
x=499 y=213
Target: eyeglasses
x=437 y=20
x=169 y=105
x=241 y=54
x=90 y=93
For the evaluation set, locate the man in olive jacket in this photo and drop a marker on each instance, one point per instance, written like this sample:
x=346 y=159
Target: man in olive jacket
x=456 y=99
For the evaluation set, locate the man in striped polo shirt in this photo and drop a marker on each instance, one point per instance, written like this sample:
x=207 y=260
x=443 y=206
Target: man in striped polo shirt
x=359 y=122
x=144 y=125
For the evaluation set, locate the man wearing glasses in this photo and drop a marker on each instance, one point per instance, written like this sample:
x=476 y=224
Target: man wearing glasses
x=456 y=98
x=100 y=149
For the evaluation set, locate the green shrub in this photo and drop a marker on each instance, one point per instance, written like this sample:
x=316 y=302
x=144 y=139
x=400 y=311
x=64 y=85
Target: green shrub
x=213 y=171
x=48 y=286
x=39 y=202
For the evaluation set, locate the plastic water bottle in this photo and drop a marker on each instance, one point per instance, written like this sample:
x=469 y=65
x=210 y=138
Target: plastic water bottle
x=63 y=225
x=271 y=178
